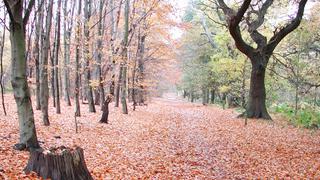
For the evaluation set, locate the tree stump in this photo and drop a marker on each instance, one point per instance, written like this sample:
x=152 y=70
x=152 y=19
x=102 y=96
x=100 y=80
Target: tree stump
x=105 y=109
x=59 y=164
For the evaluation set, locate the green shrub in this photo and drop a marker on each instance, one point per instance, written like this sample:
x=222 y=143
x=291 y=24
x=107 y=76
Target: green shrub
x=307 y=116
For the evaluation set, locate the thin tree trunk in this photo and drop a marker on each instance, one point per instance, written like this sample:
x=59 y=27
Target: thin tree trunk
x=140 y=73
x=99 y=54
x=67 y=28
x=37 y=52
x=56 y=61
x=296 y=107
x=125 y=59
x=113 y=88
x=213 y=96
x=77 y=64
x=1 y=64
x=44 y=89
x=204 y=96
x=192 y=97
x=89 y=92
x=117 y=89
x=28 y=136
x=133 y=94
x=52 y=54
x=124 y=90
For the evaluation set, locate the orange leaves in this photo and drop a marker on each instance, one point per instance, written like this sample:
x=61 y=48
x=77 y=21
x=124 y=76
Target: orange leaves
x=171 y=139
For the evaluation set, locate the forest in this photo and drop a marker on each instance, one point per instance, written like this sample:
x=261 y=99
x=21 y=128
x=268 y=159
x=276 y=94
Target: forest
x=159 y=89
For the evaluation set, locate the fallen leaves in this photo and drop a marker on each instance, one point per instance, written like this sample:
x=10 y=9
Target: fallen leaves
x=170 y=140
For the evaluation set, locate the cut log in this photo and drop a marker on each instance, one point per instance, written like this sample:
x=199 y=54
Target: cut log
x=59 y=164
x=105 y=109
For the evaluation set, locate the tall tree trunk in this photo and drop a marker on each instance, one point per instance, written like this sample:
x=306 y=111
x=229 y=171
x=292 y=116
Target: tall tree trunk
x=2 y=40
x=56 y=61
x=77 y=64
x=44 y=89
x=113 y=88
x=37 y=51
x=89 y=92
x=125 y=59
x=256 y=107
x=67 y=28
x=28 y=136
x=99 y=54
x=52 y=54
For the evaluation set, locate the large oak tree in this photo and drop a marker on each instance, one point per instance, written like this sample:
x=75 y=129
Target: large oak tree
x=252 y=14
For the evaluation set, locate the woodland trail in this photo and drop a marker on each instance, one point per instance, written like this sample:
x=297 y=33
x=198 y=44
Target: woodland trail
x=171 y=139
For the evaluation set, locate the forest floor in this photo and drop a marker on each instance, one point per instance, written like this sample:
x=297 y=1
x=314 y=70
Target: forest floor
x=170 y=139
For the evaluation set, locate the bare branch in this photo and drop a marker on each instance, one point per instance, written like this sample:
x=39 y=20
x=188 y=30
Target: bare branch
x=28 y=12
x=276 y=39
x=234 y=20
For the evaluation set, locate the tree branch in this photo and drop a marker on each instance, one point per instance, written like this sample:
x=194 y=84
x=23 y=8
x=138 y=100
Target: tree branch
x=276 y=39
x=257 y=37
x=28 y=12
x=234 y=20
x=7 y=4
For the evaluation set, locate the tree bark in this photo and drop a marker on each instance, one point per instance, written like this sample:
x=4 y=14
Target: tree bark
x=124 y=90
x=44 y=89
x=52 y=54
x=67 y=28
x=99 y=54
x=117 y=88
x=125 y=59
x=56 y=60
x=37 y=52
x=89 y=91
x=256 y=107
x=105 y=110
x=77 y=64
x=213 y=95
x=28 y=136
x=2 y=40
x=59 y=164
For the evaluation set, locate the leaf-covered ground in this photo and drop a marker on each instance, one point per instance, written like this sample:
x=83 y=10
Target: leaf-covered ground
x=170 y=139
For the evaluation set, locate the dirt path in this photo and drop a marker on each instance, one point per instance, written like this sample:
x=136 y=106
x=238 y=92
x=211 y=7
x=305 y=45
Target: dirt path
x=171 y=139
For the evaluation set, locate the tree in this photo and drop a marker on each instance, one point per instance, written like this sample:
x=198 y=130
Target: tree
x=67 y=28
x=87 y=56
x=37 y=51
x=297 y=59
x=123 y=65
x=56 y=60
x=77 y=64
x=44 y=89
x=28 y=136
x=99 y=53
x=254 y=16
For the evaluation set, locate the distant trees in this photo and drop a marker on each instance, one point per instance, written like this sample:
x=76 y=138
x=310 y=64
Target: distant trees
x=87 y=50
